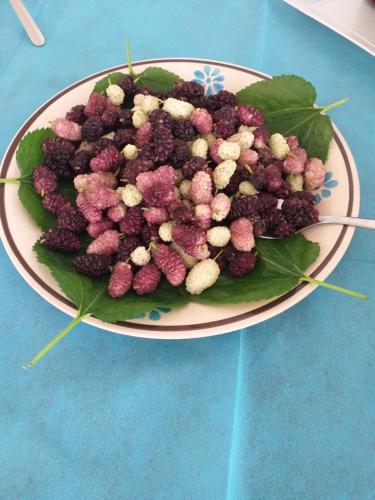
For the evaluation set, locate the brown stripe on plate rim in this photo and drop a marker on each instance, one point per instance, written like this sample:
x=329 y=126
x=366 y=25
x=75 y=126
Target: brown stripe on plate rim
x=139 y=326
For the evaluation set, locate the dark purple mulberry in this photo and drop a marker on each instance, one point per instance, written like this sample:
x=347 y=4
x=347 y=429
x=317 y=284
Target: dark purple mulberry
x=183 y=129
x=62 y=239
x=133 y=168
x=180 y=213
x=304 y=195
x=62 y=170
x=250 y=115
x=194 y=165
x=241 y=264
x=221 y=261
x=76 y=114
x=93 y=128
x=245 y=206
x=56 y=203
x=227 y=113
x=100 y=144
x=110 y=119
x=80 y=163
x=224 y=128
x=125 y=118
x=45 y=180
x=92 y=265
x=187 y=90
x=278 y=224
x=162 y=142
x=71 y=219
x=158 y=195
x=258 y=177
x=265 y=156
x=127 y=85
x=221 y=99
x=147 y=153
x=150 y=233
x=261 y=138
x=161 y=117
x=299 y=211
x=283 y=191
x=180 y=154
x=124 y=136
x=127 y=245
x=60 y=151
x=266 y=203
x=234 y=183
x=132 y=223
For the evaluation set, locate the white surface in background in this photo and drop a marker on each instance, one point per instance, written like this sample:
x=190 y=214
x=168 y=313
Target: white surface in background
x=354 y=19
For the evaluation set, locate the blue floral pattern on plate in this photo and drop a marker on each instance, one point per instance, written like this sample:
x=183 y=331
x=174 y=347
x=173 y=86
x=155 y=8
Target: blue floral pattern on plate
x=325 y=190
x=210 y=78
x=155 y=313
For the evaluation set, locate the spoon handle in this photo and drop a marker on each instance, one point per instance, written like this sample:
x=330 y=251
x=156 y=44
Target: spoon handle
x=347 y=221
x=28 y=22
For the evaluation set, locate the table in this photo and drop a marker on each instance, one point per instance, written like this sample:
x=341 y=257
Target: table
x=283 y=410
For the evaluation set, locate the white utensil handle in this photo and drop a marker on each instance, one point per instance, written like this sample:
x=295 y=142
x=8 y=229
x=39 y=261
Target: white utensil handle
x=347 y=221
x=28 y=22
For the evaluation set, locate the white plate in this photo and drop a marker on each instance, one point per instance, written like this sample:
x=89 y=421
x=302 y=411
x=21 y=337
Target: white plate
x=339 y=196
x=353 y=19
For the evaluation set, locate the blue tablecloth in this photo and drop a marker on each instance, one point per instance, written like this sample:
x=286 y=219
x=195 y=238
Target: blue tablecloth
x=283 y=410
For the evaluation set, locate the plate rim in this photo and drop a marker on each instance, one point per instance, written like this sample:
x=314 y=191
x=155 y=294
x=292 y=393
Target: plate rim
x=183 y=331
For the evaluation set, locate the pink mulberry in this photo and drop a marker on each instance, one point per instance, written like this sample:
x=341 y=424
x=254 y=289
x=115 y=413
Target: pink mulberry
x=214 y=150
x=106 y=243
x=101 y=197
x=66 y=129
x=90 y=213
x=248 y=157
x=94 y=229
x=107 y=159
x=314 y=173
x=294 y=163
x=95 y=105
x=156 y=215
x=143 y=135
x=170 y=263
x=201 y=120
x=201 y=188
x=242 y=235
x=117 y=212
x=189 y=238
x=203 y=216
x=120 y=280
x=146 y=280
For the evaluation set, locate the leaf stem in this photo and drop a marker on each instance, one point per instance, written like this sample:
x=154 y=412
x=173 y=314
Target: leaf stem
x=9 y=180
x=56 y=339
x=334 y=105
x=334 y=287
x=129 y=58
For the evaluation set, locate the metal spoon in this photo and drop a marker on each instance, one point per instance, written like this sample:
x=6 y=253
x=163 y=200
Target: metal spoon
x=333 y=219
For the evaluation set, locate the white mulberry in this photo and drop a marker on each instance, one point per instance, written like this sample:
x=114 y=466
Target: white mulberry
x=178 y=109
x=131 y=196
x=140 y=256
x=223 y=172
x=279 y=146
x=115 y=94
x=218 y=236
x=203 y=275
